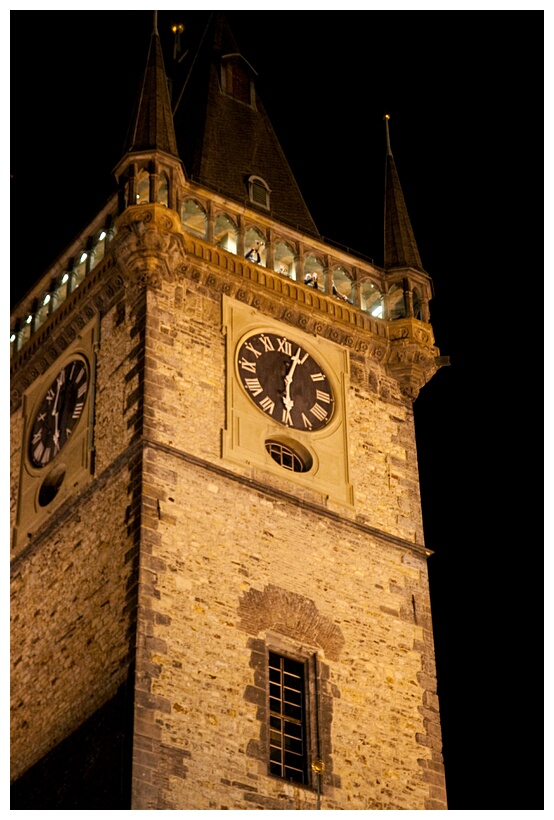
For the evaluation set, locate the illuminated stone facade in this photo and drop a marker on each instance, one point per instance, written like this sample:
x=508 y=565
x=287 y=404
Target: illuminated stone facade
x=176 y=553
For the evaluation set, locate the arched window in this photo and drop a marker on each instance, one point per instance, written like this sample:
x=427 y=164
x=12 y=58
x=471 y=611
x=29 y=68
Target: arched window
x=225 y=233
x=143 y=187
x=416 y=301
x=43 y=311
x=163 y=190
x=193 y=218
x=397 y=307
x=61 y=290
x=80 y=269
x=342 y=285
x=99 y=248
x=254 y=241
x=258 y=191
x=284 y=259
x=313 y=272
x=371 y=299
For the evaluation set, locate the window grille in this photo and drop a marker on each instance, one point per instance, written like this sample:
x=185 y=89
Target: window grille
x=287 y=718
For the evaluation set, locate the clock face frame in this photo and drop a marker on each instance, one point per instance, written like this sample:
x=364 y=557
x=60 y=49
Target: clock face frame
x=285 y=381
x=59 y=412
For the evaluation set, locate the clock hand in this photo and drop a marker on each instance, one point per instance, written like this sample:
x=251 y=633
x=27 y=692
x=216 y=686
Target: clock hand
x=56 y=436
x=287 y=401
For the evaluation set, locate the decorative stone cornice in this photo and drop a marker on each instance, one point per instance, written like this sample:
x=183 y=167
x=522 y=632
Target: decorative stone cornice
x=405 y=346
x=97 y=293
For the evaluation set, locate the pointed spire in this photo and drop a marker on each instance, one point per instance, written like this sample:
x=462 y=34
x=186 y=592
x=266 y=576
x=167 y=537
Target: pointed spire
x=400 y=245
x=152 y=127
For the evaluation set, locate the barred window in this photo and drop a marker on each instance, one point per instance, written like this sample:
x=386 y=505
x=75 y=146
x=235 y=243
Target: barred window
x=287 y=718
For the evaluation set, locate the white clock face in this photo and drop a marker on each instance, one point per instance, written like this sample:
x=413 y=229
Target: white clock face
x=285 y=382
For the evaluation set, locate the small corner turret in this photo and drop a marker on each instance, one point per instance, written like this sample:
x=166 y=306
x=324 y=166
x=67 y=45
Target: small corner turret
x=413 y=359
x=151 y=170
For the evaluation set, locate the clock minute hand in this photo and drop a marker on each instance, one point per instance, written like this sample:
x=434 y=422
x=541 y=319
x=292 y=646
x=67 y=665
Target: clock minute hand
x=56 y=436
x=287 y=401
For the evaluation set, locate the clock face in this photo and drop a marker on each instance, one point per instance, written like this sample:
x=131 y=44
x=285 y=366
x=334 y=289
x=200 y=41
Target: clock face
x=59 y=413
x=285 y=381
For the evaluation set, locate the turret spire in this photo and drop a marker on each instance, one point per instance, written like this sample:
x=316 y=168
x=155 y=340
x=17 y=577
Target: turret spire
x=152 y=127
x=400 y=244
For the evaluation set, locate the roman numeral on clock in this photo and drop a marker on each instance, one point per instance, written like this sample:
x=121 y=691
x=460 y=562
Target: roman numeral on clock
x=318 y=412
x=267 y=343
x=246 y=365
x=254 y=386
x=267 y=405
x=284 y=346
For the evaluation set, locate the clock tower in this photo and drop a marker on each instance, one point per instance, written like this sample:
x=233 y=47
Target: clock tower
x=220 y=596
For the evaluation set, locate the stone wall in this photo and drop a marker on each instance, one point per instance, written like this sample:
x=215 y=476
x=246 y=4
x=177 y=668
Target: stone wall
x=248 y=566
x=70 y=625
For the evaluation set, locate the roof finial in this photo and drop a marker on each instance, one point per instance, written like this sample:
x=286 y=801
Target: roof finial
x=387 y=118
x=155 y=31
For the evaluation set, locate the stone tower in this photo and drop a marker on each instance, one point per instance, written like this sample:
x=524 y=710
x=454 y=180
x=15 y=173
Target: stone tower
x=219 y=584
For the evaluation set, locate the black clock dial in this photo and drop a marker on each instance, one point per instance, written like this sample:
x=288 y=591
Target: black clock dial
x=59 y=413
x=285 y=381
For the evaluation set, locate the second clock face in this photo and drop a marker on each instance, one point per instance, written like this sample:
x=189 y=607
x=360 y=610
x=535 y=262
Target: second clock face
x=59 y=413
x=285 y=381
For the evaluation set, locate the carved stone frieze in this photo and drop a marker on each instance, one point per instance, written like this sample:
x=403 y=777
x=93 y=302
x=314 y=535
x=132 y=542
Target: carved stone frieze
x=149 y=245
x=411 y=355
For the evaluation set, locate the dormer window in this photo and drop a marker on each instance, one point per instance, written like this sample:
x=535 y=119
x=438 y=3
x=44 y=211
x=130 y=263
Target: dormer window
x=236 y=78
x=258 y=191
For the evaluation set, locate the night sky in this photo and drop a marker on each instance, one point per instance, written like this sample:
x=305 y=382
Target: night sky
x=465 y=94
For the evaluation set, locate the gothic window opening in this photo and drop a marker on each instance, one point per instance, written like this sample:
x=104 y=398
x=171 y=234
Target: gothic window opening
x=254 y=241
x=287 y=719
x=143 y=188
x=342 y=285
x=225 y=233
x=397 y=305
x=80 y=270
x=193 y=218
x=313 y=272
x=371 y=299
x=163 y=190
x=417 y=304
x=284 y=261
x=100 y=248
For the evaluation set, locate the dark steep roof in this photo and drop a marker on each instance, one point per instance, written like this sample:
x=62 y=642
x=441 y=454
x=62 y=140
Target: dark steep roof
x=222 y=141
x=400 y=244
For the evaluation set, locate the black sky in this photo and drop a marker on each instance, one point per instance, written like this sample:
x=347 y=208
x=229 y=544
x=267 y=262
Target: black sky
x=459 y=87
